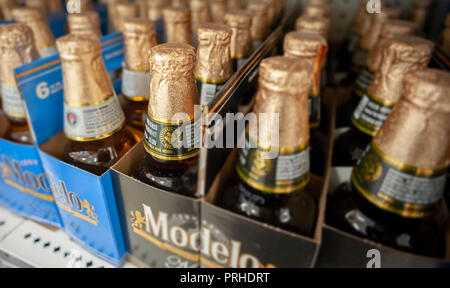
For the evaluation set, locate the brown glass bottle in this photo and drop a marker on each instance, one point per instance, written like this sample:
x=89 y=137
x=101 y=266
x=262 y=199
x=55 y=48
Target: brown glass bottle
x=401 y=55
x=273 y=187
x=213 y=66
x=177 y=25
x=240 y=22
x=166 y=165
x=140 y=37
x=94 y=122
x=85 y=22
x=397 y=187
x=17 y=48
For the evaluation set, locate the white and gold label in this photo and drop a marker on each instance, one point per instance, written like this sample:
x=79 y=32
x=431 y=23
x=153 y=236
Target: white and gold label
x=135 y=85
x=12 y=101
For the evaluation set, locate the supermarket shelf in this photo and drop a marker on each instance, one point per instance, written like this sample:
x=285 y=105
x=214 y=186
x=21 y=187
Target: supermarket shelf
x=24 y=243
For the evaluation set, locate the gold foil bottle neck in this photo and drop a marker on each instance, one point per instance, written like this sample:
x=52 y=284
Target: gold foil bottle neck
x=123 y=11
x=6 y=7
x=218 y=10
x=260 y=21
x=112 y=11
x=284 y=86
x=314 y=10
x=417 y=132
x=401 y=55
x=319 y=25
x=85 y=22
x=36 y=20
x=16 y=48
x=234 y=5
x=180 y=4
x=172 y=89
x=370 y=39
x=155 y=9
x=390 y=29
x=213 y=61
x=86 y=80
x=37 y=4
x=199 y=13
x=177 y=25
x=140 y=37
x=240 y=22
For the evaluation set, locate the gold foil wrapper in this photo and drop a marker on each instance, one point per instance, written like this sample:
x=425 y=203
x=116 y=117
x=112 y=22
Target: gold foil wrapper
x=308 y=47
x=234 y=4
x=173 y=89
x=284 y=86
x=139 y=37
x=260 y=22
x=417 y=131
x=241 y=39
x=124 y=11
x=177 y=25
x=155 y=8
x=112 y=12
x=314 y=10
x=180 y=4
x=6 y=7
x=319 y=25
x=271 y=11
x=37 y=4
x=199 y=13
x=390 y=29
x=37 y=21
x=85 y=22
x=213 y=62
x=401 y=55
x=218 y=9
x=86 y=80
x=369 y=40
x=16 y=48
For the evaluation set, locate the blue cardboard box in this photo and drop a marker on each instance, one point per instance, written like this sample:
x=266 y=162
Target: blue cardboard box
x=85 y=201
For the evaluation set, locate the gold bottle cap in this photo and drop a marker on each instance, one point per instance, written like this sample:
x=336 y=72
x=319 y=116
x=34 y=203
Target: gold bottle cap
x=177 y=25
x=199 y=13
x=284 y=86
x=234 y=4
x=85 y=22
x=180 y=4
x=260 y=21
x=240 y=22
x=37 y=21
x=86 y=80
x=417 y=132
x=140 y=37
x=401 y=55
x=6 y=7
x=173 y=89
x=125 y=10
x=112 y=12
x=38 y=4
x=213 y=63
x=155 y=9
x=319 y=25
x=55 y=5
x=369 y=40
x=218 y=10
x=390 y=29
x=314 y=10
x=271 y=11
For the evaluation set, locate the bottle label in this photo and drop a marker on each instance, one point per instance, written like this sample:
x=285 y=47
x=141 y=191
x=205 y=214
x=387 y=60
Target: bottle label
x=93 y=122
x=48 y=52
x=359 y=59
x=285 y=174
x=136 y=85
x=363 y=81
x=314 y=110
x=371 y=113
x=396 y=187
x=160 y=134
x=208 y=90
x=12 y=101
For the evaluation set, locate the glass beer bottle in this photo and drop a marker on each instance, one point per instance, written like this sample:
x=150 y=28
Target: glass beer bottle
x=241 y=40
x=177 y=25
x=85 y=22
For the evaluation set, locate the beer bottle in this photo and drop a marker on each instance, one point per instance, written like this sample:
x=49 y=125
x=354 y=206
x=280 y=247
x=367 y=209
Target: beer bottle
x=274 y=190
x=140 y=37
x=240 y=22
x=260 y=28
x=82 y=5
x=85 y=22
x=319 y=25
x=315 y=10
x=397 y=185
x=213 y=65
x=199 y=14
x=419 y=12
x=400 y=56
x=271 y=12
x=168 y=165
x=112 y=13
x=177 y=25
x=17 y=48
x=37 y=21
x=155 y=9
x=94 y=122
x=6 y=7
x=123 y=11
x=218 y=10
x=390 y=29
x=351 y=42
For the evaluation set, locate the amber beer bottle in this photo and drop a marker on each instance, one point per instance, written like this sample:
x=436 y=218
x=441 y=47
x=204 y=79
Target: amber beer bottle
x=397 y=186
x=85 y=22
x=94 y=122
x=275 y=191
x=213 y=65
x=241 y=39
x=173 y=97
x=140 y=37
x=177 y=25
x=17 y=48
x=401 y=55
x=260 y=28
x=35 y=19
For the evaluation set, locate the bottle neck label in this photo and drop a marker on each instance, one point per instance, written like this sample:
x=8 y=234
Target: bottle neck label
x=169 y=141
x=208 y=90
x=93 y=122
x=371 y=113
x=48 y=52
x=396 y=187
x=363 y=81
x=13 y=104
x=287 y=173
x=136 y=85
